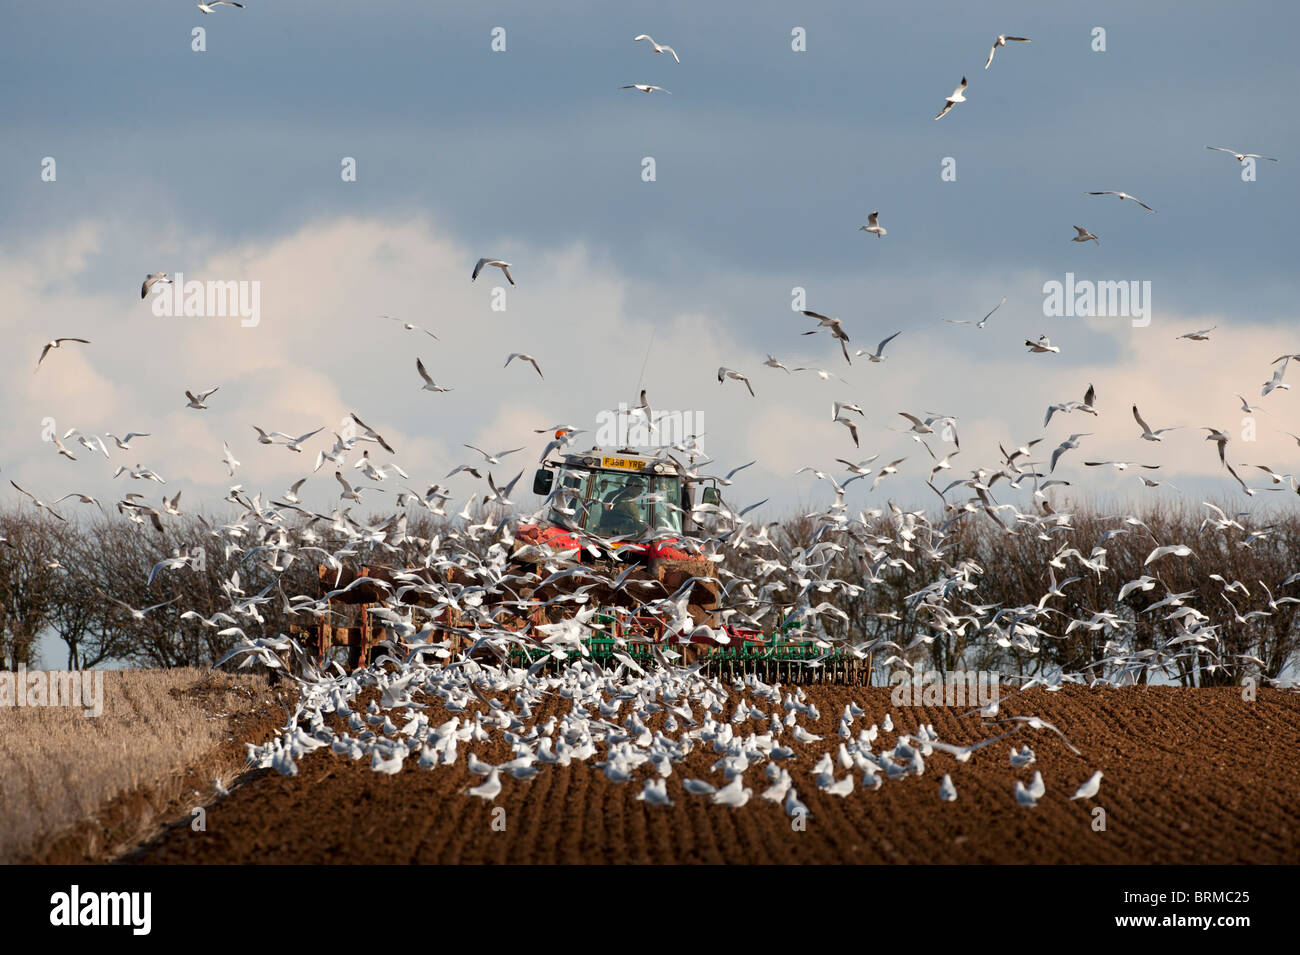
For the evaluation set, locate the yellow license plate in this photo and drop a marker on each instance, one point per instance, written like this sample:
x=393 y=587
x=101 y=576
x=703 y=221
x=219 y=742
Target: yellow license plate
x=625 y=464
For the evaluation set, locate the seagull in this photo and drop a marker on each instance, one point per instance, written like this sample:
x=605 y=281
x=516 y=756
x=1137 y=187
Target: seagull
x=503 y=266
x=39 y=503
x=1068 y=444
x=1147 y=433
x=429 y=384
x=1202 y=336
x=1086 y=406
x=853 y=428
x=1178 y=550
x=658 y=47
x=528 y=358
x=1089 y=788
x=229 y=459
x=1123 y=195
x=349 y=493
x=725 y=373
x=956 y=97
x=947 y=791
x=873 y=226
x=774 y=362
x=1043 y=345
x=1221 y=439
x=411 y=327
x=891 y=468
x=1276 y=381
x=491 y=458
x=197 y=401
x=646 y=88
x=488 y=790
x=124 y=444
x=1241 y=157
x=1003 y=40
x=980 y=323
x=1084 y=235
x=56 y=343
x=209 y=4
x=878 y=355
x=152 y=279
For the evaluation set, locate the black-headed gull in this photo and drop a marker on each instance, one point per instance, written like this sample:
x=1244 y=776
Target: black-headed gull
x=958 y=96
x=1084 y=235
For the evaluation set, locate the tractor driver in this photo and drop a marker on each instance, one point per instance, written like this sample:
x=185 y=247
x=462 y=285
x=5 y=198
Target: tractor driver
x=623 y=509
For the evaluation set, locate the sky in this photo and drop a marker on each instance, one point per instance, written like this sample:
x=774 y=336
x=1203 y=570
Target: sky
x=225 y=165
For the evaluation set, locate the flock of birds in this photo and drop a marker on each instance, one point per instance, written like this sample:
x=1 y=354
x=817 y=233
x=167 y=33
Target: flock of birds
x=752 y=727
x=756 y=730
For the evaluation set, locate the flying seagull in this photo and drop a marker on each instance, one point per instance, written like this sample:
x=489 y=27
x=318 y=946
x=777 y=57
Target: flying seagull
x=56 y=343
x=1123 y=195
x=1084 y=235
x=207 y=6
x=1202 y=336
x=873 y=226
x=152 y=279
x=1147 y=433
x=980 y=323
x=878 y=354
x=412 y=327
x=429 y=384
x=503 y=266
x=1003 y=40
x=1241 y=157
x=528 y=358
x=196 y=401
x=658 y=47
x=725 y=373
x=646 y=88
x=958 y=96
x=1043 y=345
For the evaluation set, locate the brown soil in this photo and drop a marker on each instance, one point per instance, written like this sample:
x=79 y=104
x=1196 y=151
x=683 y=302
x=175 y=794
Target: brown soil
x=1191 y=776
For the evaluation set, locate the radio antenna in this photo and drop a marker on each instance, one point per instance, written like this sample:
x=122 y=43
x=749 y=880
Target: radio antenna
x=650 y=345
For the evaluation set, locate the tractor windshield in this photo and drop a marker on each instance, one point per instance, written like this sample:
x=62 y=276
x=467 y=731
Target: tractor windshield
x=616 y=503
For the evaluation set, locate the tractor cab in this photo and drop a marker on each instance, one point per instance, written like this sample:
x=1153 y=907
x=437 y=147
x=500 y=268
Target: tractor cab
x=618 y=494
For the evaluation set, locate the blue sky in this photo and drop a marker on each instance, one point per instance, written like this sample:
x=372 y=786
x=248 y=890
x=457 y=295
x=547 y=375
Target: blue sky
x=225 y=164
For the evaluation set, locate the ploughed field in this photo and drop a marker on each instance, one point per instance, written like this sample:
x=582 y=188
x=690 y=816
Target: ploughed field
x=1190 y=776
